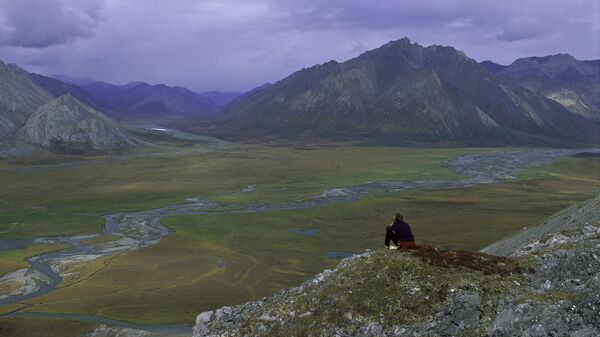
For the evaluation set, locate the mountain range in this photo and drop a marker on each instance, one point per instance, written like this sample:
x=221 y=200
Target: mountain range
x=139 y=99
x=398 y=94
x=574 y=84
x=31 y=115
x=403 y=93
x=70 y=115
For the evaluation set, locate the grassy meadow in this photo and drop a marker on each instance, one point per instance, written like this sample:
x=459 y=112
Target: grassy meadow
x=71 y=198
x=226 y=259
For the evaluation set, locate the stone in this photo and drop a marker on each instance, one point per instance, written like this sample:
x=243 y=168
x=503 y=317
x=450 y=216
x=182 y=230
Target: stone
x=267 y=317
x=373 y=329
x=204 y=317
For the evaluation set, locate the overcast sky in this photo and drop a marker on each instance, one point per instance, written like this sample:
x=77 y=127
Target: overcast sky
x=239 y=44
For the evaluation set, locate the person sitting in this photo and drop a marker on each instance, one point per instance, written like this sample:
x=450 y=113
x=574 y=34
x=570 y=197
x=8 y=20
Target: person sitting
x=399 y=232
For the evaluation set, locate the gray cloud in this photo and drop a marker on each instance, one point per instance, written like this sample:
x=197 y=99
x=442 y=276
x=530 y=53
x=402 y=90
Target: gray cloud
x=238 y=44
x=42 y=23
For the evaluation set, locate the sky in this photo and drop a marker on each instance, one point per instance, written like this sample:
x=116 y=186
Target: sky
x=235 y=45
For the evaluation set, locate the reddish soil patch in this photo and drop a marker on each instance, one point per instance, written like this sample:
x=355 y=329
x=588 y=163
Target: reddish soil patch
x=488 y=264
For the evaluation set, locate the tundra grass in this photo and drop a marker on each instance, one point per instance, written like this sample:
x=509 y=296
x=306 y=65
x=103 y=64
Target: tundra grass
x=70 y=198
x=21 y=327
x=228 y=259
x=11 y=260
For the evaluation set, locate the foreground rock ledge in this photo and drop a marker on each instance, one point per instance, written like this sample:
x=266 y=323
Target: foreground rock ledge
x=548 y=286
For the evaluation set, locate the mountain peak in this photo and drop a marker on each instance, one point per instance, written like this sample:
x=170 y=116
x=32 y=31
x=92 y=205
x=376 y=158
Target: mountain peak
x=415 y=52
x=492 y=67
x=73 y=127
x=400 y=42
x=398 y=93
x=68 y=103
x=555 y=66
x=67 y=98
x=79 y=81
x=134 y=84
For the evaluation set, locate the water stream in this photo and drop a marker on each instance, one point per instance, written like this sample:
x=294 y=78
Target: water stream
x=142 y=228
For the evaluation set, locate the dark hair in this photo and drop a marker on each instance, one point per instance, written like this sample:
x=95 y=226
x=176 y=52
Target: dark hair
x=398 y=218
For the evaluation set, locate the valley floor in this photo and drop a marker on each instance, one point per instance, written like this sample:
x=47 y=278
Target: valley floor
x=250 y=242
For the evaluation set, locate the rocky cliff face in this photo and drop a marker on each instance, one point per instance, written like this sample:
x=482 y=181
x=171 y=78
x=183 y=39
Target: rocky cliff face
x=548 y=286
x=402 y=93
x=67 y=125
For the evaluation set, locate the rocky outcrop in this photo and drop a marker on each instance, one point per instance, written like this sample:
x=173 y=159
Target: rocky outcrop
x=67 y=125
x=564 y=299
x=550 y=286
x=577 y=216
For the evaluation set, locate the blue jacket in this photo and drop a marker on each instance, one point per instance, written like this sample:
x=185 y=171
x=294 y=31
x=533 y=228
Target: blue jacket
x=402 y=231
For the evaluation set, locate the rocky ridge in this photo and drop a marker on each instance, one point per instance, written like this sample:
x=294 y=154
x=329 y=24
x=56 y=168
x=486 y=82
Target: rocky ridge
x=548 y=286
x=31 y=117
x=573 y=83
x=19 y=97
x=401 y=93
x=139 y=99
x=67 y=125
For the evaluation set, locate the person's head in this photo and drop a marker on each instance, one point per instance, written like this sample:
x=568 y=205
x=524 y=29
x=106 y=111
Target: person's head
x=398 y=218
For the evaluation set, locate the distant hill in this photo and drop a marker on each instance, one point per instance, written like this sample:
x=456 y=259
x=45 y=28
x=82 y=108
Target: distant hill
x=574 y=84
x=220 y=99
x=139 y=99
x=30 y=114
x=59 y=88
x=492 y=67
x=78 y=81
x=402 y=93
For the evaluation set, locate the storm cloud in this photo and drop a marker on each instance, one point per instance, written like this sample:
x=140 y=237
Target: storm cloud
x=238 y=44
x=42 y=23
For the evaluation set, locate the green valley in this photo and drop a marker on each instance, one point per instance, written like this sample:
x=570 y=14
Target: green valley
x=236 y=251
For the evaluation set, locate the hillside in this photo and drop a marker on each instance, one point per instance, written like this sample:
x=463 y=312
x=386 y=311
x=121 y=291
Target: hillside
x=68 y=126
x=19 y=98
x=59 y=88
x=548 y=286
x=31 y=115
x=402 y=93
x=573 y=83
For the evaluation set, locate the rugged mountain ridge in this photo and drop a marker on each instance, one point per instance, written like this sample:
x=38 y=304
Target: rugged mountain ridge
x=30 y=115
x=139 y=99
x=19 y=97
x=549 y=286
x=402 y=93
x=68 y=126
x=59 y=88
x=573 y=83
